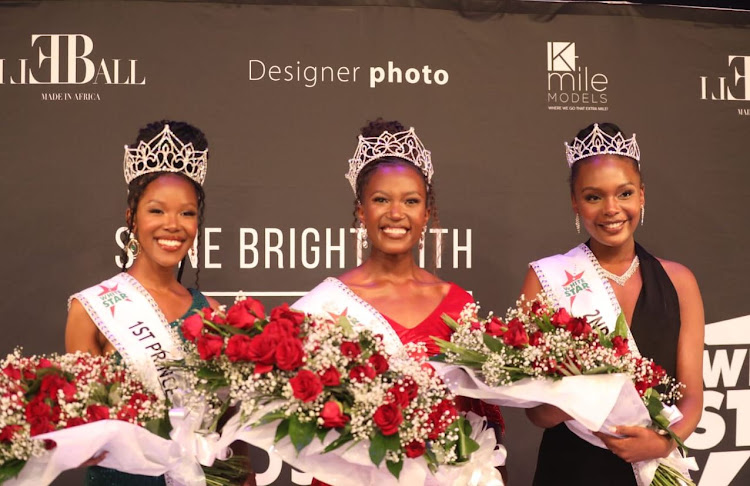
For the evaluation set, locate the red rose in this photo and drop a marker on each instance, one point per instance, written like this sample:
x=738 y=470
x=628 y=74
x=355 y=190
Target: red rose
x=333 y=416
x=238 y=348
x=538 y=308
x=12 y=372
x=52 y=383
x=440 y=417
x=44 y=363
x=475 y=325
x=209 y=346
x=7 y=433
x=127 y=413
x=138 y=398
x=379 y=363
x=388 y=417
x=404 y=392
x=620 y=345
x=495 y=327
x=516 y=335
x=262 y=349
x=578 y=326
x=75 y=422
x=289 y=354
x=40 y=425
x=279 y=330
x=211 y=315
x=306 y=386
x=243 y=314
x=331 y=377
x=284 y=314
x=350 y=349
x=37 y=408
x=192 y=327
x=97 y=412
x=360 y=372
x=535 y=338
x=414 y=449
x=400 y=395
x=560 y=318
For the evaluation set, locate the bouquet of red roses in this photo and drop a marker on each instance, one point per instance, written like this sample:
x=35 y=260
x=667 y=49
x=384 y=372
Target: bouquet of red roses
x=39 y=395
x=296 y=378
x=539 y=354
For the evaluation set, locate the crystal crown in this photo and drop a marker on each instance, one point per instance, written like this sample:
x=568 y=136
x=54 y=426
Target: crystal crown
x=165 y=153
x=405 y=145
x=599 y=142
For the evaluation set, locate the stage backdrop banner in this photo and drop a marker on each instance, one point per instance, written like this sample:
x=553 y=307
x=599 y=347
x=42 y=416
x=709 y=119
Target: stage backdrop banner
x=281 y=91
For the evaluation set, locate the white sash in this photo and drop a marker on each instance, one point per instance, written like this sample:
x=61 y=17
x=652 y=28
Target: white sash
x=575 y=282
x=131 y=320
x=333 y=297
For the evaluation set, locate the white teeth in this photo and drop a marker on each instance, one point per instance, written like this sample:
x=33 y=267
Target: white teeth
x=613 y=225
x=170 y=243
x=395 y=231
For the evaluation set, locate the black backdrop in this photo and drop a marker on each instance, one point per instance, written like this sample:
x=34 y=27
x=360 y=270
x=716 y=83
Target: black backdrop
x=495 y=118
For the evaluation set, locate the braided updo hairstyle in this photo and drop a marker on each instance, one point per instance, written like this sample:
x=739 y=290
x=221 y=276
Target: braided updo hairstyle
x=610 y=129
x=187 y=134
x=376 y=128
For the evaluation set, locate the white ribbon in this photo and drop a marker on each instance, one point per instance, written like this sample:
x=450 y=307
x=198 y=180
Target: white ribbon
x=204 y=446
x=645 y=470
x=481 y=468
x=130 y=448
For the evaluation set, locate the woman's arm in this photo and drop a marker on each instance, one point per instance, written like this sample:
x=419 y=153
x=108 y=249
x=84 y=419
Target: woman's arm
x=689 y=347
x=640 y=443
x=81 y=334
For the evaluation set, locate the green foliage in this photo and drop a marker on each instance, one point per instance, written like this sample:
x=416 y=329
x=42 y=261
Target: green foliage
x=395 y=467
x=301 y=433
x=10 y=469
x=282 y=430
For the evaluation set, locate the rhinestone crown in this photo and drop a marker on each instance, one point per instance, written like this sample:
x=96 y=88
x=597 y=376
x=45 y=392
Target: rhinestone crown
x=405 y=145
x=165 y=153
x=598 y=142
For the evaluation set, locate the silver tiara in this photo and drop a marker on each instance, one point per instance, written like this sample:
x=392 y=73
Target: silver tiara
x=598 y=142
x=165 y=153
x=405 y=145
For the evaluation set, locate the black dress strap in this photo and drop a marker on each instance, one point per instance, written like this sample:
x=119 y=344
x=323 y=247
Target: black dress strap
x=656 y=318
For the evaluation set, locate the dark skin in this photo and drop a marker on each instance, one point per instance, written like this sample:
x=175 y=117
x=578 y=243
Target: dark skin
x=608 y=195
x=166 y=223
x=394 y=211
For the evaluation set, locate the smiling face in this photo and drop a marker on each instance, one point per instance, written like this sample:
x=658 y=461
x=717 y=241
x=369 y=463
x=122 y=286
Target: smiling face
x=166 y=220
x=394 y=208
x=608 y=195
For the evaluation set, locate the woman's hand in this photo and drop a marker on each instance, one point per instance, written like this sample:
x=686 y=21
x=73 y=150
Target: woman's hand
x=637 y=443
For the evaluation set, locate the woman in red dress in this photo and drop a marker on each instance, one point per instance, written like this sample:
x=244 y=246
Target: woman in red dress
x=391 y=175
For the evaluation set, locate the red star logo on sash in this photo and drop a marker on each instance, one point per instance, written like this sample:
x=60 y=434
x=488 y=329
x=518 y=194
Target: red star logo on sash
x=336 y=317
x=111 y=290
x=573 y=278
